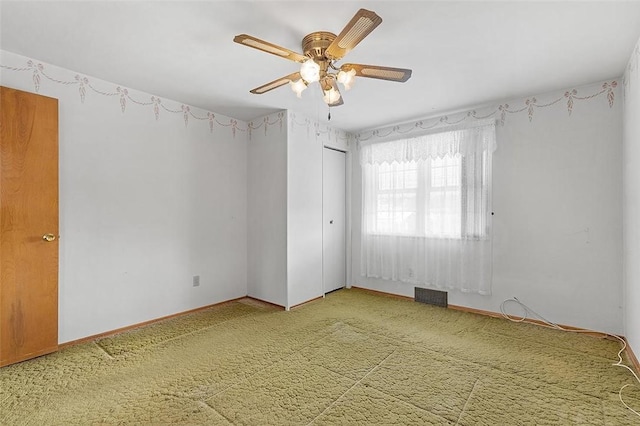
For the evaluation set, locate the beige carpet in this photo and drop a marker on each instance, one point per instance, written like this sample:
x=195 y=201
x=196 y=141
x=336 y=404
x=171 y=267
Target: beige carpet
x=352 y=358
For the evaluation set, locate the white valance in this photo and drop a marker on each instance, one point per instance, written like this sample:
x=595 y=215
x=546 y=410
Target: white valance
x=463 y=142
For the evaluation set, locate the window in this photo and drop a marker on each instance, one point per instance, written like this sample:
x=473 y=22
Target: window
x=426 y=208
x=429 y=198
x=396 y=198
x=443 y=203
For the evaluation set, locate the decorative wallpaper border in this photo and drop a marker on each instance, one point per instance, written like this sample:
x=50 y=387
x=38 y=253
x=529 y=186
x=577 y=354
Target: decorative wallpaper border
x=266 y=123
x=500 y=112
x=159 y=107
x=320 y=129
x=631 y=71
x=83 y=85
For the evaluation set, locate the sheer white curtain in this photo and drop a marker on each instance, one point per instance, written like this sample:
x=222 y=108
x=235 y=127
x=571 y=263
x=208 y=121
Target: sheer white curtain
x=426 y=215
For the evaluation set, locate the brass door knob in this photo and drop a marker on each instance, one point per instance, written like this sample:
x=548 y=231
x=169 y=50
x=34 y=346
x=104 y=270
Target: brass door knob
x=49 y=237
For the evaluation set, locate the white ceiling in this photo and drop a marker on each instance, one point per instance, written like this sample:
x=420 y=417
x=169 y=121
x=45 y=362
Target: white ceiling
x=462 y=53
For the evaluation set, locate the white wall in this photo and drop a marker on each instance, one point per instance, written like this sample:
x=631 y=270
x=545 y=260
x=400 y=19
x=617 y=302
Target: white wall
x=306 y=140
x=145 y=203
x=304 y=212
x=631 y=200
x=267 y=209
x=285 y=206
x=557 y=201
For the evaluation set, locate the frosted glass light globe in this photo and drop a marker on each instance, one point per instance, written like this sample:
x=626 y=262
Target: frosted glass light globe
x=298 y=86
x=310 y=71
x=347 y=78
x=331 y=96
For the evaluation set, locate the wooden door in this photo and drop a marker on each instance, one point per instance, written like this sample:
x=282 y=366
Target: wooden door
x=28 y=218
x=334 y=252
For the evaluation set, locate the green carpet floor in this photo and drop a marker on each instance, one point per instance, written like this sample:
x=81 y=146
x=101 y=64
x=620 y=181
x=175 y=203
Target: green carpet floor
x=351 y=358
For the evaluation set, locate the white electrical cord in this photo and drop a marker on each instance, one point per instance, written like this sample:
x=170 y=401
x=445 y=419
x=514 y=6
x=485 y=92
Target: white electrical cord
x=528 y=313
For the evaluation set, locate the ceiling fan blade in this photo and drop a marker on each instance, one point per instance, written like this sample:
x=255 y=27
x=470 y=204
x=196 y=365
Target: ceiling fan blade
x=256 y=43
x=276 y=83
x=375 y=71
x=362 y=23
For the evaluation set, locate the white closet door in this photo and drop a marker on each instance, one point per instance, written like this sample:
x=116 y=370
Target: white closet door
x=334 y=216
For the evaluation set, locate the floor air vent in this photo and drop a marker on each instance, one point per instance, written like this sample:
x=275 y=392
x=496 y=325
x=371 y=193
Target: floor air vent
x=431 y=297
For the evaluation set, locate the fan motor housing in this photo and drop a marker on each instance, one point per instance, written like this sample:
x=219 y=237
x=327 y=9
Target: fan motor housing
x=315 y=44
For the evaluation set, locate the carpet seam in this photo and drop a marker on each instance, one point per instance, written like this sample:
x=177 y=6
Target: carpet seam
x=373 y=386
x=103 y=350
x=269 y=366
x=597 y=395
x=152 y=345
x=408 y=403
x=502 y=335
x=483 y=365
x=352 y=386
x=565 y=350
x=216 y=411
x=464 y=407
x=483 y=329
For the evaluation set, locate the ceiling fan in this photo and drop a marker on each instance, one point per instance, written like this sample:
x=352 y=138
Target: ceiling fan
x=321 y=50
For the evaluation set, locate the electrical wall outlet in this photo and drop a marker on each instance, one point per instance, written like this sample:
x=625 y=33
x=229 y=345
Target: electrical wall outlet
x=196 y=280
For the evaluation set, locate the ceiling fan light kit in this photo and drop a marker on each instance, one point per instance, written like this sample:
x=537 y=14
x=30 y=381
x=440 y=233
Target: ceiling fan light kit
x=321 y=50
x=298 y=86
x=310 y=71
x=347 y=78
